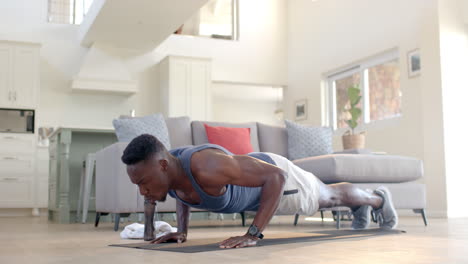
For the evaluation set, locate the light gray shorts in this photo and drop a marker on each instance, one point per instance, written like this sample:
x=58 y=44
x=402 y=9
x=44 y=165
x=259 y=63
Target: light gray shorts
x=304 y=201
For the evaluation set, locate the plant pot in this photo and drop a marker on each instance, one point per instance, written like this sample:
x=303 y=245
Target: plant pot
x=357 y=141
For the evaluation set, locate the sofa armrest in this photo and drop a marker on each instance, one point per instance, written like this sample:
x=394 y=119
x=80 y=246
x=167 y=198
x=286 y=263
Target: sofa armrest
x=115 y=193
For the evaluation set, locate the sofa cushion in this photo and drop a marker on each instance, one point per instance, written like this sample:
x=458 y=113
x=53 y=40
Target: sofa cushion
x=273 y=139
x=199 y=132
x=127 y=129
x=307 y=141
x=234 y=139
x=353 y=151
x=357 y=168
x=180 y=131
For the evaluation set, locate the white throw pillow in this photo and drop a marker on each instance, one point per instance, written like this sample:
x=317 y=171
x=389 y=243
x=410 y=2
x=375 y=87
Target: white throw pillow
x=307 y=141
x=127 y=129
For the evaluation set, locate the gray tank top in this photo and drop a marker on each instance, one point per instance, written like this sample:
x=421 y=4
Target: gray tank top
x=236 y=199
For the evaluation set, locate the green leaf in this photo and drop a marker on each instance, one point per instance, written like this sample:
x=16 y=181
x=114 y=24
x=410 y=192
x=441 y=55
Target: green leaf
x=354 y=99
x=353 y=94
x=355 y=113
x=351 y=123
x=356 y=102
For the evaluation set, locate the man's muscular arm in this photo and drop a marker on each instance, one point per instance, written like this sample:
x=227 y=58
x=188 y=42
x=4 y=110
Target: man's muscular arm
x=183 y=212
x=149 y=220
x=223 y=169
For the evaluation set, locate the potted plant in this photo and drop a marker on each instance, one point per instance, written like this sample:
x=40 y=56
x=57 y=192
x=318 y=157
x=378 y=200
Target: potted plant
x=351 y=140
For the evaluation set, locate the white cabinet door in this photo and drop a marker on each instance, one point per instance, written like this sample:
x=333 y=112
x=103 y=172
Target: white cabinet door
x=186 y=87
x=25 y=76
x=42 y=193
x=42 y=177
x=15 y=192
x=179 y=93
x=17 y=165
x=17 y=170
x=17 y=143
x=5 y=75
x=200 y=104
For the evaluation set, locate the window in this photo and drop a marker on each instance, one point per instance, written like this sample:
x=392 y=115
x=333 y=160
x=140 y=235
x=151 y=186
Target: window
x=379 y=81
x=216 y=19
x=68 y=11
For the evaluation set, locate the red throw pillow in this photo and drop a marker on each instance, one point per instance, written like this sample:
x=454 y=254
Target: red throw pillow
x=234 y=139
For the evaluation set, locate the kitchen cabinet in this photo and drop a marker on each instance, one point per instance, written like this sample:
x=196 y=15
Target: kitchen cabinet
x=185 y=84
x=19 y=74
x=17 y=170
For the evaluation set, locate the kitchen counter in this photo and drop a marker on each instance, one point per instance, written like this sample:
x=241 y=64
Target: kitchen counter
x=83 y=129
x=68 y=148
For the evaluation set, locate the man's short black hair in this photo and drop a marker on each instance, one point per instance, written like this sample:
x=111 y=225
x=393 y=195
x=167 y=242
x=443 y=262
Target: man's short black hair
x=141 y=148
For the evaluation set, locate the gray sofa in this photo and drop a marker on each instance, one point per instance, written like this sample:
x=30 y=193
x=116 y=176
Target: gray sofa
x=116 y=194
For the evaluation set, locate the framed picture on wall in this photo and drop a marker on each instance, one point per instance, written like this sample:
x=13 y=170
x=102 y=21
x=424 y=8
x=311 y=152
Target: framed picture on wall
x=414 y=63
x=301 y=109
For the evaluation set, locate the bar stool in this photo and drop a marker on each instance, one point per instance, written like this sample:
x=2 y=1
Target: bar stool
x=87 y=174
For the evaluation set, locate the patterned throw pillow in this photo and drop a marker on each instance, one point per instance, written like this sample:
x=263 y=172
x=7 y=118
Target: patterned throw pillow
x=305 y=141
x=127 y=129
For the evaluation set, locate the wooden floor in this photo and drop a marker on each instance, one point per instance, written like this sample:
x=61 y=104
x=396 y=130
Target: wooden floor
x=34 y=240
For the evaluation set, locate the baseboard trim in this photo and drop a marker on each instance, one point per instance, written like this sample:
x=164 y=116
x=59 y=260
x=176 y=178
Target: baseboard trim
x=15 y=212
x=436 y=213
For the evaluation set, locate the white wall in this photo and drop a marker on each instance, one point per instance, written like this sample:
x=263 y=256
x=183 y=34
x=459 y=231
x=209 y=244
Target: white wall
x=61 y=57
x=258 y=57
x=327 y=35
x=246 y=103
x=454 y=64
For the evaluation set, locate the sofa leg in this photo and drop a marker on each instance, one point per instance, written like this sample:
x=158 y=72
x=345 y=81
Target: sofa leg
x=96 y=222
x=243 y=218
x=116 y=221
x=338 y=219
x=423 y=214
x=321 y=214
x=98 y=218
x=296 y=218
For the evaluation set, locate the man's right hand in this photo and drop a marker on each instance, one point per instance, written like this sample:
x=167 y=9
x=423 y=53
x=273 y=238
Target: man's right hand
x=171 y=237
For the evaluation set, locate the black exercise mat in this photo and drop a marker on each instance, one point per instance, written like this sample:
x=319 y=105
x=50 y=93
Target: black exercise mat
x=204 y=245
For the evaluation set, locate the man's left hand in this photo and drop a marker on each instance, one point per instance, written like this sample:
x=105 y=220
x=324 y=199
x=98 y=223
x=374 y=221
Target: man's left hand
x=239 y=242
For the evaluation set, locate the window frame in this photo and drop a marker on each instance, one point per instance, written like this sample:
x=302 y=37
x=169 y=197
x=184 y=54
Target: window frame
x=361 y=67
x=75 y=9
x=235 y=25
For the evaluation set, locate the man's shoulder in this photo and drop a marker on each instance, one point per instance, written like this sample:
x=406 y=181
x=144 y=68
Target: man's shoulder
x=207 y=157
x=208 y=162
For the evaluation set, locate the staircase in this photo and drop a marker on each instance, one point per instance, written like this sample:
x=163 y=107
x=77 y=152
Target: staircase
x=135 y=24
x=113 y=27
